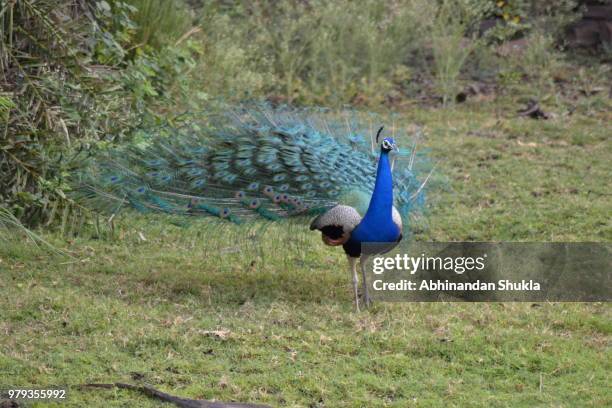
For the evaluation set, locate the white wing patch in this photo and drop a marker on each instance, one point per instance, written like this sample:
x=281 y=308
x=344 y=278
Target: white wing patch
x=397 y=218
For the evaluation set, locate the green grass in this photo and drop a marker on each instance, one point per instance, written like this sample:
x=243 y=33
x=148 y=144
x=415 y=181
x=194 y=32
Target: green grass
x=134 y=310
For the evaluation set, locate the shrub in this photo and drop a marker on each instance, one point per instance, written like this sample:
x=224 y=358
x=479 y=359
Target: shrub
x=159 y=22
x=522 y=17
x=316 y=51
x=73 y=78
x=450 y=46
x=540 y=61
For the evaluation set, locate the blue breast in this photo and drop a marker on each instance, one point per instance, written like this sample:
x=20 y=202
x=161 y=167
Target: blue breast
x=377 y=224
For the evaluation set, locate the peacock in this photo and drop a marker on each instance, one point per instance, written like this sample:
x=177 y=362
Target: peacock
x=336 y=169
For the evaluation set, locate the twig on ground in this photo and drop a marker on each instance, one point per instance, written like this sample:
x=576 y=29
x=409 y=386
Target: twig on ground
x=533 y=111
x=180 y=402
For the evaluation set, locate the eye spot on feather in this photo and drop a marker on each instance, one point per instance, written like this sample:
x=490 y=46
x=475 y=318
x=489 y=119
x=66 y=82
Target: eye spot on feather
x=199 y=183
x=115 y=179
x=253 y=186
x=284 y=187
x=255 y=203
x=225 y=213
x=276 y=198
x=240 y=194
x=279 y=177
x=153 y=174
x=268 y=191
x=141 y=190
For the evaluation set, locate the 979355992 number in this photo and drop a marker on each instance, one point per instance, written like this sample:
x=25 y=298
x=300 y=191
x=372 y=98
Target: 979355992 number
x=34 y=394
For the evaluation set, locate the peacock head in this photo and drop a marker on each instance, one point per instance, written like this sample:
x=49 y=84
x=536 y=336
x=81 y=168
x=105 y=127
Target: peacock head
x=388 y=144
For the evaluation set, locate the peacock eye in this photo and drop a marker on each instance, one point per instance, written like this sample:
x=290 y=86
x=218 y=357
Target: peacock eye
x=254 y=203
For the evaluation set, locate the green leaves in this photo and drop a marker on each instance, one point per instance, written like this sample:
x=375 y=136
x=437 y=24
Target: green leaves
x=104 y=7
x=6 y=104
x=81 y=79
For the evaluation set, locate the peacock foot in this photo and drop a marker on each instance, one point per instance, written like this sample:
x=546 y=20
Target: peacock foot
x=365 y=299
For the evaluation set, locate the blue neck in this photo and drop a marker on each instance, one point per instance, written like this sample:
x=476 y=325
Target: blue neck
x=381 y=203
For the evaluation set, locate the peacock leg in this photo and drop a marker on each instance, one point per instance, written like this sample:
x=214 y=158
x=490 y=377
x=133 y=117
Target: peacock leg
x=353 y=266
x=366 y=294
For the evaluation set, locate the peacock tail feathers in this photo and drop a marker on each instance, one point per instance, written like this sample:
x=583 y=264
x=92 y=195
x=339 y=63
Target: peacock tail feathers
x=252 y=162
